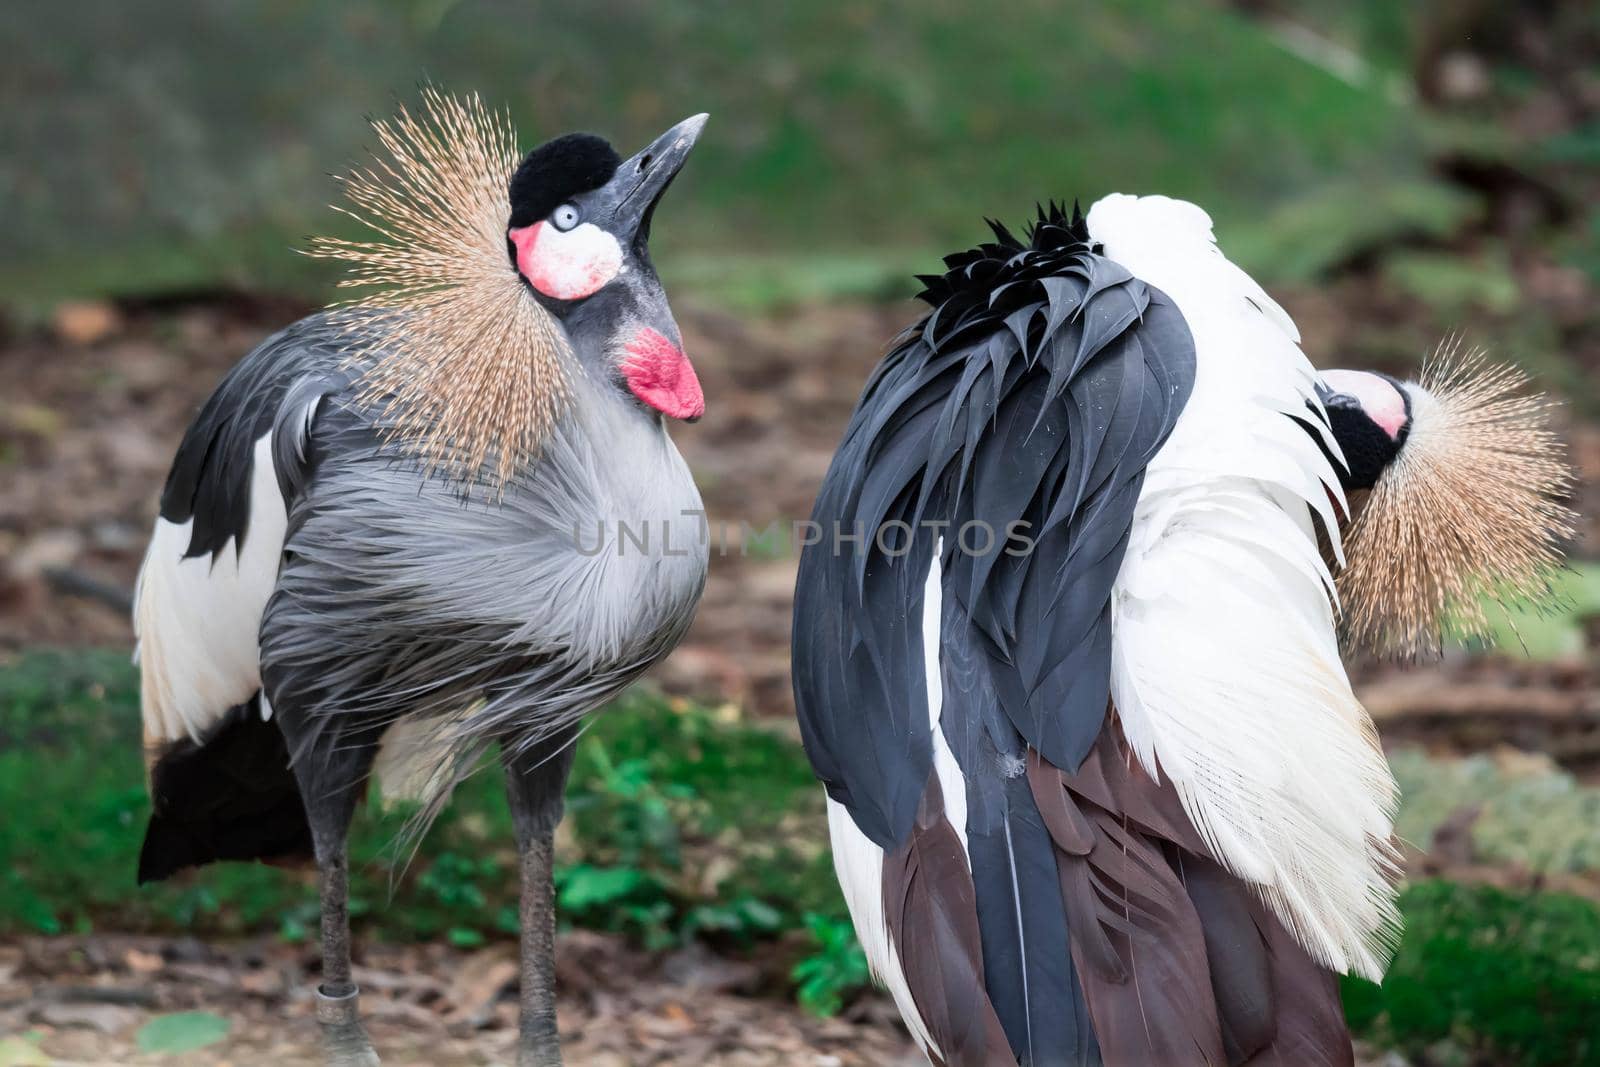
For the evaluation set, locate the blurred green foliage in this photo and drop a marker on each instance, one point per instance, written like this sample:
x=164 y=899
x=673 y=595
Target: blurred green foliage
x=184 y=145
x=1485 y=976
x=835 y=969
x=1529 y=815
x=682 y=823
x=1555 y=627
x=182 y=1031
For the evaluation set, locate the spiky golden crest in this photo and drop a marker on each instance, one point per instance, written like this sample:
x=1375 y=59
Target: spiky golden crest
x=1471 y=509
x=465 y=369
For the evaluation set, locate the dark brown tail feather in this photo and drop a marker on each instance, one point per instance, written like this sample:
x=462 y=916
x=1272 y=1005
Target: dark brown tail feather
x=1311 y=1030
x=1156 y=924
x=1278 y=1007
x=1135 y=935
x=932 y=915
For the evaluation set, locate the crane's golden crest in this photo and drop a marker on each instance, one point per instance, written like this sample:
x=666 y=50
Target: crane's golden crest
x=464 y=367
x=1470 y=510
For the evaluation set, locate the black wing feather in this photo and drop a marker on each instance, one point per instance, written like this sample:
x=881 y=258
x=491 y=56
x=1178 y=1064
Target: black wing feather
x=210 y=477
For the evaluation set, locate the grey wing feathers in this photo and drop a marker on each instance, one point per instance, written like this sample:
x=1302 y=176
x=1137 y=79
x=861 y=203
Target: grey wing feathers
x=1035 y=393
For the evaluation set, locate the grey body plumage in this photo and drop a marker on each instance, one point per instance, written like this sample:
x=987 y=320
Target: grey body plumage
x=504 y=618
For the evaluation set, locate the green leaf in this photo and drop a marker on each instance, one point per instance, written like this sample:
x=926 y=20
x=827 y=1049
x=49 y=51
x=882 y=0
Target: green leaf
x=835 y=971
x=585 y=886
x=182 y=1032
x=464 y=937
x=21 y=1052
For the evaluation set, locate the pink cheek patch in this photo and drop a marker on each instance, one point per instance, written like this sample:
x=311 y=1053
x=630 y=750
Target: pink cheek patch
x=1377 y=396
x=659 y=374
x=566 y=266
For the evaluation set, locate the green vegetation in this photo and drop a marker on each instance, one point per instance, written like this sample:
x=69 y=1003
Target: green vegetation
x=837 y=128
x=836 y=969
x=1529 y=815
x=1555 y=628
x=685 y=822
x=1485 y=973
x=183 y=1031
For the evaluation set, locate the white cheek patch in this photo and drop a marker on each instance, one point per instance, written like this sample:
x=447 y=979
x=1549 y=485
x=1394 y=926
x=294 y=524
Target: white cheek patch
x=570 y=265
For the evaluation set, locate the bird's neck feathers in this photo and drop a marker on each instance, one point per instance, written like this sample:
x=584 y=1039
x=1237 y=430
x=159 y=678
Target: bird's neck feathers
x=465 y=369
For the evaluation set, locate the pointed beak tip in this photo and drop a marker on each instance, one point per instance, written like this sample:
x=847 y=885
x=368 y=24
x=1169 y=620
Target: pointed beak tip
x=686 y=133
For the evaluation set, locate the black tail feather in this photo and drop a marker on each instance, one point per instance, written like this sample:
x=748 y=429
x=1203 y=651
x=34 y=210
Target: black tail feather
x=230 y=797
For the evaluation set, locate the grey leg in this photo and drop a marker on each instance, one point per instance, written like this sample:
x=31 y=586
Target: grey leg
x=344 y=1040
x=535 y=782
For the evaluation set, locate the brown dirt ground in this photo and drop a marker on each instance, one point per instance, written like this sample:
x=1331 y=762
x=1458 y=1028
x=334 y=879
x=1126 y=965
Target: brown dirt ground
x=424 y=1006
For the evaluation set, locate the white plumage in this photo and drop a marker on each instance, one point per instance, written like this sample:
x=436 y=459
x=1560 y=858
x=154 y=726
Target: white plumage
x=1226 y=669
x=198 y=620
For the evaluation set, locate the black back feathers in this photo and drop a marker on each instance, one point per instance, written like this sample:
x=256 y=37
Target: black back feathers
x=557 y=171
x=1035 y=392
x=1011 y=428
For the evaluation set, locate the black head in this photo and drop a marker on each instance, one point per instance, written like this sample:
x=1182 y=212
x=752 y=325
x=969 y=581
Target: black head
x=1370 y=415
x=558 y=171
x=579 y=232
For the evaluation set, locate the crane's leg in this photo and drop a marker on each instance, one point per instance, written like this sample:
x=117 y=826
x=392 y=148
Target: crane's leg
x=536 y=780
x=331 y=786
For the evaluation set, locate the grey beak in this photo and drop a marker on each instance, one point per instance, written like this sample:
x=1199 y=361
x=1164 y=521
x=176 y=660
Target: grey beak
x=637 y=186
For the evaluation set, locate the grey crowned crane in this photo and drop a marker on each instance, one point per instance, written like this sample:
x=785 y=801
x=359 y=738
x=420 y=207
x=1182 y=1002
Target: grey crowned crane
x=1066 y=656
x=368 y=546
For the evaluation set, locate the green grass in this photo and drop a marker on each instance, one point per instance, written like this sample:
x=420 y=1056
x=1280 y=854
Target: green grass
x=839 y=130
x=1488 y=976
x=682 y=822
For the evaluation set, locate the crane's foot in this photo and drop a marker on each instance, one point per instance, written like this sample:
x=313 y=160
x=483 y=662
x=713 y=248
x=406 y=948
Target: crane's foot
x=542 y=1053
x=344 y=1040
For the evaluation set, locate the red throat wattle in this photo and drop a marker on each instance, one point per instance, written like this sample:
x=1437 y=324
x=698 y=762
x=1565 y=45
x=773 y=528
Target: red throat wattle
x=660 y=375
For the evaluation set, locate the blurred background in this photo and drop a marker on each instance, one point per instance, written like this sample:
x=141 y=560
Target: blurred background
x=1393 y=172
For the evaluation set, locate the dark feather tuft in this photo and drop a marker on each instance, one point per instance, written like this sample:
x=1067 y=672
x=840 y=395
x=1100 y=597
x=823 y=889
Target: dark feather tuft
x=557 y=171
x=230 y=797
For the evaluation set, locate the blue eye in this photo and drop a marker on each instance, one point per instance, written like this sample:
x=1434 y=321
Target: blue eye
x=564 y=217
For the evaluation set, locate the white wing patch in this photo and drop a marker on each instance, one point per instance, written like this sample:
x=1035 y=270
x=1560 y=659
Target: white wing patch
x=1225 y=662
x=858 y=863
x=198 y=622
x=952 y=783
